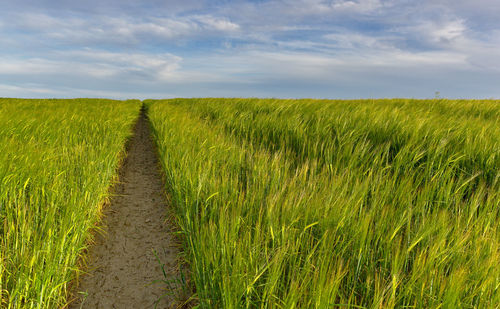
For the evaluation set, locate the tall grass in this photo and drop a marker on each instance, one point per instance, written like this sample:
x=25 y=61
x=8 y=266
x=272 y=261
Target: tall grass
x=306 y=203
x=57 y=160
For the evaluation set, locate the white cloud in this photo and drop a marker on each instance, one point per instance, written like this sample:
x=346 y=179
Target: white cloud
x=97 y=64
x=213 y=23
x=440 y=33
x=360 y=6
x=321 y=7
x=356 y=40
x=120 y=30
x=40 y=90
x=242 y=45
x=29 y=90
x=24 y=66
x=449 y=31
x=319 y=66
x=483 y=14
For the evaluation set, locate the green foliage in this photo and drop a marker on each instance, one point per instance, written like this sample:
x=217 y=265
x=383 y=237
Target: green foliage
x=320 y=204
x=57 y=161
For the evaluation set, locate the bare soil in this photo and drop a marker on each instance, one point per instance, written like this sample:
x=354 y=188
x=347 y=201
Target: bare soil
x=123 y=271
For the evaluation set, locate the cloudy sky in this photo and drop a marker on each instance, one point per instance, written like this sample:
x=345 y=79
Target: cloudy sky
x=276 y=48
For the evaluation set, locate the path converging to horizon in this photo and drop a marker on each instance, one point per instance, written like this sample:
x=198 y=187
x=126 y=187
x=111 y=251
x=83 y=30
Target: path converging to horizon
x=125 y=264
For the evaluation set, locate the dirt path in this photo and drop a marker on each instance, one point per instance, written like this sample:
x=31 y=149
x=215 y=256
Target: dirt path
x=122 y=265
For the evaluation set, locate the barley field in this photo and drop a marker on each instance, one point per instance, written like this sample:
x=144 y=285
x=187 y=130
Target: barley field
x=326 y=204
x=390 y=203
x=57 y=160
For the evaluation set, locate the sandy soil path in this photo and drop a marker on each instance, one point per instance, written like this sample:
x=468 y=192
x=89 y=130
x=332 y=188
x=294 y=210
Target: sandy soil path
x=122 y=267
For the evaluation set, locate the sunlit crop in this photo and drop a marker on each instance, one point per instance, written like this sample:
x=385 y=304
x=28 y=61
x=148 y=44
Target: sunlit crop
x=57 y=160
x=321 y=204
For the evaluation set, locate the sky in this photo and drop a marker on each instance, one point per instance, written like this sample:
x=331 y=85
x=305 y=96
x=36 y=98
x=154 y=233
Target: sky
x=343 y=49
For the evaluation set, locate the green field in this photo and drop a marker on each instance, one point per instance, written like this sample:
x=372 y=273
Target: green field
x=57 y=161
x=389 y=203
x=321 y=204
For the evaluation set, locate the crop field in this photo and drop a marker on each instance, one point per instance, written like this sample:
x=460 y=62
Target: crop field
x=321 y=204
x=391 y=203
x=57 y=161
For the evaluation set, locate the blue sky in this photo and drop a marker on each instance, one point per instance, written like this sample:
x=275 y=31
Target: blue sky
x=287 y=48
